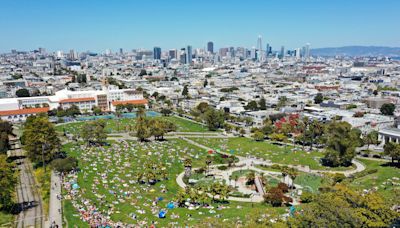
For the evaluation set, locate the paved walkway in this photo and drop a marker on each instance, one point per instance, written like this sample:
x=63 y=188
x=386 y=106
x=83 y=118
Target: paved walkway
x=248 y=163
x=55 y=210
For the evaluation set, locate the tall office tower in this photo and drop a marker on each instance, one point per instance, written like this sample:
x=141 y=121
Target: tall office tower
x=253 y=53
x=59 y=54
x=232 y=51
x=42 y=50
x=108 y=52
x=173 y=54
x=189 y=54
x=121 y=51
x=297 y=53
x=223 y=51
x=72 y=55
x=282 y=54
x=157 y=53
x=307 y=51
x=267 y=51
x=210 y=47
x=260 y=55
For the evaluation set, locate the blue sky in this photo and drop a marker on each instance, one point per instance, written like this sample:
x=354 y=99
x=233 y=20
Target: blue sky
x=97 y=24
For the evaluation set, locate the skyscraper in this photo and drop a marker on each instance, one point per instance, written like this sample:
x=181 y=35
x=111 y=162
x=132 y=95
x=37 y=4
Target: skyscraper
x=260 y=54
x=173 y=54
x=121 y=51
x=307 y=51
x=267 y=50
x=189 y=54
x=282 y=54
x=253 y=54
x=157 y=53
x=210 y=47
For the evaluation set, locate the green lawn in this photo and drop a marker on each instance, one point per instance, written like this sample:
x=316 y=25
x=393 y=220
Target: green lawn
x=278 y=154
x=386 y=179
x=6 y=219
x=126 y=124
x=121 y=162
x=310 y=182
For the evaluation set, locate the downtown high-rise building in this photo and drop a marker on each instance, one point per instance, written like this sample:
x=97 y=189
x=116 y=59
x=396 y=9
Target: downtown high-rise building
x=210 y=47
x=282 y=53
x=173 y=54
x=307 y=51
x=260 y=53
x=157 y=53
x=189 y=54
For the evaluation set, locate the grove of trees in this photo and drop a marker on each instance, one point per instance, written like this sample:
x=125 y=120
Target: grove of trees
x=40 y=139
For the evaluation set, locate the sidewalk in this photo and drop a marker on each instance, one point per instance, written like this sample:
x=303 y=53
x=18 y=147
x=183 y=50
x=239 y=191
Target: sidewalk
x=55 y=209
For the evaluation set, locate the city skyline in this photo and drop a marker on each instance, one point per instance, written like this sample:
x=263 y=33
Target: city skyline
x=85 y=26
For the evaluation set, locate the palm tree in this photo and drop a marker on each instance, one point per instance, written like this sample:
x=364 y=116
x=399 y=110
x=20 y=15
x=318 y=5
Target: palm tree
x=188 y=166
x=208 y=162
x=251 y=176
x=292 y=174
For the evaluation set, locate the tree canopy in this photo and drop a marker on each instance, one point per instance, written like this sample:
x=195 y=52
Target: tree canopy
x=22 y=93
x=388 y=109
x=343 y=207
x=39 y=136
x=341 y=141
x=8 y=182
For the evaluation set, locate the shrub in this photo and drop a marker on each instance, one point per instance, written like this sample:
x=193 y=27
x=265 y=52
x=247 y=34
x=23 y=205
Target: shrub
x=306 y=197
x=283 y=187
x=223 y=167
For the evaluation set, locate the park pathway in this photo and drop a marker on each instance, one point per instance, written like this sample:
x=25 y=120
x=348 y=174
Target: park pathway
x=55 y=210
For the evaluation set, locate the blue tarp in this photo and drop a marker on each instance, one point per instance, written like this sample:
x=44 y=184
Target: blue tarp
x=170 y=205
x=162 y=214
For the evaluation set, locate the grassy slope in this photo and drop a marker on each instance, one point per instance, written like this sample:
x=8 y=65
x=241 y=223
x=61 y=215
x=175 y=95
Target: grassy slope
x=122 y=124
x=125 y=208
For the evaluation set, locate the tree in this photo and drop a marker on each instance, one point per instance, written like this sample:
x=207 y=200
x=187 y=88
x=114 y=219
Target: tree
x=185 y=91
x=375 y=92
x=166 y=112
x=65 y=165
x=371 y=138
x=142 y=72
x=268 y=127
x=202 y=107
x=282 y=102
x=205 y=83
x=187 y=163
x=252 y=105
x=343 y=207
x=159 y=127
x=40 y=139
x=96 y=110
x=214 y=119
x=242 y=132
x=262 y=104
x=258 y=135
x=8 y=183
x=388 y=109
x=318 y=98
x=94 y=132
x=276 y=197
x=341 y=141
x=392 y=150
x=208 y=162
x=5 y=130
x=22 y=93
x=250 y=178
x=73 y=110
x=143 y=131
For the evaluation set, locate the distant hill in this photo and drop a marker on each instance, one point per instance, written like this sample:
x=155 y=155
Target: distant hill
x=357 y=51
